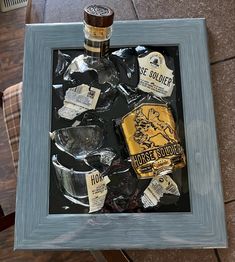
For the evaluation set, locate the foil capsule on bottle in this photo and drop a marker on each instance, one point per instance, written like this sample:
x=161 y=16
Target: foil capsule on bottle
x=152 y=141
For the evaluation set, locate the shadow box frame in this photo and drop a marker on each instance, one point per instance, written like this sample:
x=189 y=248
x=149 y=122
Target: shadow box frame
x=203 y=227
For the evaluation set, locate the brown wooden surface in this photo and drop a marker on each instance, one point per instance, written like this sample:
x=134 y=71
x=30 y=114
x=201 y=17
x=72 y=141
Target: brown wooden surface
x=35 y=11
x=7 y=221
x=11 y=47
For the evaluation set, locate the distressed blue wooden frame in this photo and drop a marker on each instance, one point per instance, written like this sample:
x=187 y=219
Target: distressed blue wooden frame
x=203 y=227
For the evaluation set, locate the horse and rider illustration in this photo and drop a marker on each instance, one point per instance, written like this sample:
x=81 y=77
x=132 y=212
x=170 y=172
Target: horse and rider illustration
x=150 y=126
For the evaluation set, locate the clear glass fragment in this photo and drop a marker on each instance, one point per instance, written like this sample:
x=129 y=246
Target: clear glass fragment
x=59 y=91
x=71 y=183
x=78 y=141
x=101 y=159
x=104 y=68
x=126 y=62
x=63 y=62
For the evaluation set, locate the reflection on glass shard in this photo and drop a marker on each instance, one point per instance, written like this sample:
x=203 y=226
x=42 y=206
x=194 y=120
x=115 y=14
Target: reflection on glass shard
x=71 y=183
x=104 y=68
x=141 y=50
x=107 y=97
x=100 y=159
x=76 y=123
x=63 y=61
x=130 y=95
x=91 y=118
x=78 y=141
x=59 y=91
x=126 y=63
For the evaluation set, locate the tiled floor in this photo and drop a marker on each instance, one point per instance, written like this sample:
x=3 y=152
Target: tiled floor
x=220 y=17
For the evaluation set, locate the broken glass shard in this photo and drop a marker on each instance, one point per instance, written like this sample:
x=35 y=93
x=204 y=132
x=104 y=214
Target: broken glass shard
x=101 y=159
x=104 y=68
x=126 y=63
x=78 y=141
x=63 y=62
x=71 y=183
x=59 y=91
x=99 y=72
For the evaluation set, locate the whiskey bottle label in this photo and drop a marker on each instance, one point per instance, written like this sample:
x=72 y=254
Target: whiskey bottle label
x=152 y=141
x=152 y=194
x=97 y=190
x=155 y=76
x=168 y=184
x=78 y=100
x=157 y=187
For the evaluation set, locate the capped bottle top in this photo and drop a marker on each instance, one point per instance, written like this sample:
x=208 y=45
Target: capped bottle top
x=98 y=15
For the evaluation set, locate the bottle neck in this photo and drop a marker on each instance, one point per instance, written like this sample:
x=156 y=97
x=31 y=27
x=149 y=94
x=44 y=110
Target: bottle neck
x=96 y=40
x=96 y=48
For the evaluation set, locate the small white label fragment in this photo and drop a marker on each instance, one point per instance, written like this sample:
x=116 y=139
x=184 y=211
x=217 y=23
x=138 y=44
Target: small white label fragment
x=97 y=190
x=152 y=194
x=168 y=184
x=155 y=76
x=78 y=100
x=157 y=187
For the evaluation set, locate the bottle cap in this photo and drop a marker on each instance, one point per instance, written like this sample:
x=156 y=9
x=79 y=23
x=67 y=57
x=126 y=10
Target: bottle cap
x=98 y=15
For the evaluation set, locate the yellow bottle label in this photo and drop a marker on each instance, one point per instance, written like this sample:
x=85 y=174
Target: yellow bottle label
x=152 y=141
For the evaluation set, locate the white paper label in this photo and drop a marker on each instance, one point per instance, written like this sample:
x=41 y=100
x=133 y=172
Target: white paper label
x=97 y=190
x=155 y=76
x=157 y=187
x=78 y=100
x=152 y=194
x=168 y=184
x=70 y=112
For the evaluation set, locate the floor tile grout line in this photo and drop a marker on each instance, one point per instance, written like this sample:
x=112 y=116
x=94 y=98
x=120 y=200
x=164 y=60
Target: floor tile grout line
x=127 y=256
x=217 y=255
x=223 y=60
x=229 y=201
x=135 y=10
x=44 y=11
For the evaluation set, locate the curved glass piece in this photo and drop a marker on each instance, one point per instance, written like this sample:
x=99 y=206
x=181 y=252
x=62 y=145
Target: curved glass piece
x=104 y=68
x=63 y=62
x=72 y=183
x=101 y=159
x=78 y=141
